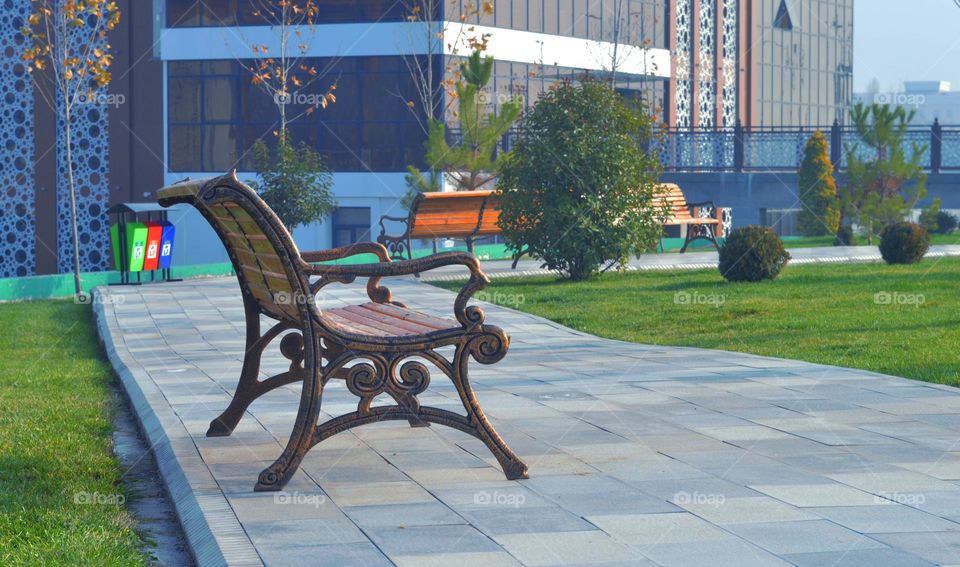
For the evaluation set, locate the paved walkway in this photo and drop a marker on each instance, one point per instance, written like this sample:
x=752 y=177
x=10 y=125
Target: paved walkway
x=696 y=260
x=638 y=455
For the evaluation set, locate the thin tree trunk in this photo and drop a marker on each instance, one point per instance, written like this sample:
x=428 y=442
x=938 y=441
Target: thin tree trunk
x=283 y=78
x=73 y=201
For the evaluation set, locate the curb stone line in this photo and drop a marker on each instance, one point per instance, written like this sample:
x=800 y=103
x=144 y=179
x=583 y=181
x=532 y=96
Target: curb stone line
x=681 y=266
x=211 y=529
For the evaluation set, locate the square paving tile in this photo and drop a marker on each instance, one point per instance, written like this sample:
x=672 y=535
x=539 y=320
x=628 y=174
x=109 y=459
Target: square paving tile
x=567 y=548
x=782 y=538
x=826 y=494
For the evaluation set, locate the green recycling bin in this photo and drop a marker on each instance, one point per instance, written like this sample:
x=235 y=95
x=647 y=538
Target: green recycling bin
x=129 y=246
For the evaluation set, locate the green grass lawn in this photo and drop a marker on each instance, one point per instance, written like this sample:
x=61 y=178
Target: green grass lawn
x=61 y=496
x=829 y=314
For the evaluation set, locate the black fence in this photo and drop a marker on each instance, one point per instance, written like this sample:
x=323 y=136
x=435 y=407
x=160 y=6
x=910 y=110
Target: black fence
x=742 y=149
x=781 y=149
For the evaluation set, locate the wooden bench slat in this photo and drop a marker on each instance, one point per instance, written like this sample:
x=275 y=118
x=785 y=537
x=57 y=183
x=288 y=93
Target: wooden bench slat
x=396 y=325
x=348 y=324
x=435 y=323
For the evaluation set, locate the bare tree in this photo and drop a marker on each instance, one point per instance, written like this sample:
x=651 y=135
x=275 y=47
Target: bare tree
x=69 y=38
x=280 y=75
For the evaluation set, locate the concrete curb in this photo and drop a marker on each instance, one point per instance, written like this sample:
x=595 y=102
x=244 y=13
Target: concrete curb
x=665 y=267
x=211 y=528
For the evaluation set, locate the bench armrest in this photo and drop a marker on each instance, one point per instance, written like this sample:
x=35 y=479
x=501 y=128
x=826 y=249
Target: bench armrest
x=345 y=251
x=466 y=316
x=383 y=228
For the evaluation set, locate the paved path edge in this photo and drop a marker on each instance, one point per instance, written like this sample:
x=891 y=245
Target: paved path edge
x=213 y=532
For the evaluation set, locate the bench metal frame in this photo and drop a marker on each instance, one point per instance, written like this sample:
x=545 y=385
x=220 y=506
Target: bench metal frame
x=320 y=350
x=699 y=230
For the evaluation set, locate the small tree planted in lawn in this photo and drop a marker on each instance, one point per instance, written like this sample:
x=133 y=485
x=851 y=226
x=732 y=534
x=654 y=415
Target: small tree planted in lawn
x=471 y=164
x=294 y=181
x=751 y=254
x=68 y=39
x=577 y=189
x=886 y=182
x=820 y=214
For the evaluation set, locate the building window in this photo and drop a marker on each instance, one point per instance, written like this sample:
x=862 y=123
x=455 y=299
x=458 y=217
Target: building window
x=351 y=225
x=783 y=19
x=213 y=13
x=216 y=115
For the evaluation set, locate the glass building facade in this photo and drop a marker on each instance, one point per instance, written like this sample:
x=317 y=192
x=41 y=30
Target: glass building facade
x=803 y=62
x=219 y=13
x=641 y=22
x=215 y=114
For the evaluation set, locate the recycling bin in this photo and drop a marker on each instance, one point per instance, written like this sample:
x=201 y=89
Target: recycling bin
x=129 y=246
x=151 y=259
x=166 y=244
x=142 y=241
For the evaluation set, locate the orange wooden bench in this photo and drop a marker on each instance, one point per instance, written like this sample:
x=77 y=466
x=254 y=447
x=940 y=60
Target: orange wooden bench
x=443 y=214
x=696 y=221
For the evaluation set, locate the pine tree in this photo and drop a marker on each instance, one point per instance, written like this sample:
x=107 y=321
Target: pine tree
x=471 y=163
x=882 y=188
x=820 y=214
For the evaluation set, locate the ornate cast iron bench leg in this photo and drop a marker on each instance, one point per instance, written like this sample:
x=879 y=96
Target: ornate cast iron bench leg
x=301 y=439
x=249 y=387
x=486 y=349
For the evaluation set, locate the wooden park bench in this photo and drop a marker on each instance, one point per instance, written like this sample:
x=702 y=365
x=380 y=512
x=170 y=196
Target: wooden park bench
x=376 y=348
x=696 y=221
x=443 y=214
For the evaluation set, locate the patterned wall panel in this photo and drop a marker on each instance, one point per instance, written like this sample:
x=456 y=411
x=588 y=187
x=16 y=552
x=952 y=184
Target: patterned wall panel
x=683 y=62
x=706 y=52
x=90 y=171
x=17 y=229
x=729 y=58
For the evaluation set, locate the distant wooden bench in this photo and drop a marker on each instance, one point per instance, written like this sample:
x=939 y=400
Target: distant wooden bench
x=381 y=348
x=696 y=221
x=466 y=215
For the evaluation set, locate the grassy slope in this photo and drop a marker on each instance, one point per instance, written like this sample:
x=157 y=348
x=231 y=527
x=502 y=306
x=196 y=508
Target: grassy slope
x=818 y=313
x=55 y=443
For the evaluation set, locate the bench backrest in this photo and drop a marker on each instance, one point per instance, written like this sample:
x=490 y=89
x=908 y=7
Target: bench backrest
x=459 y=214
x=672 y=197
x=263 y=253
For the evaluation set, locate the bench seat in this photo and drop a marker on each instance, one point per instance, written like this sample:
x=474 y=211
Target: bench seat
x=384 y=320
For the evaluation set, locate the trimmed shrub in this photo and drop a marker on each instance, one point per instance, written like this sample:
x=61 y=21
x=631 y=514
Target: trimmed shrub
x=946 y=223
x=844 y=236
x=904 y=243
x=752 y=253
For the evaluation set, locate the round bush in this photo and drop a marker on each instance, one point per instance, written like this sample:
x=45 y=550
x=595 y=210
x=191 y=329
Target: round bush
x=946 y=223
x=904 y=243
x=844 y=236
x=751 y=254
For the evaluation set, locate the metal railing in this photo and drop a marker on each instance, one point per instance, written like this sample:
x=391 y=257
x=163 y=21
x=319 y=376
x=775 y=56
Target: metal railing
x=742 y=149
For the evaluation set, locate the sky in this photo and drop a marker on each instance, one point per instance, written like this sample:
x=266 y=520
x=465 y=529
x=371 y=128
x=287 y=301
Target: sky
x=905 y=40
